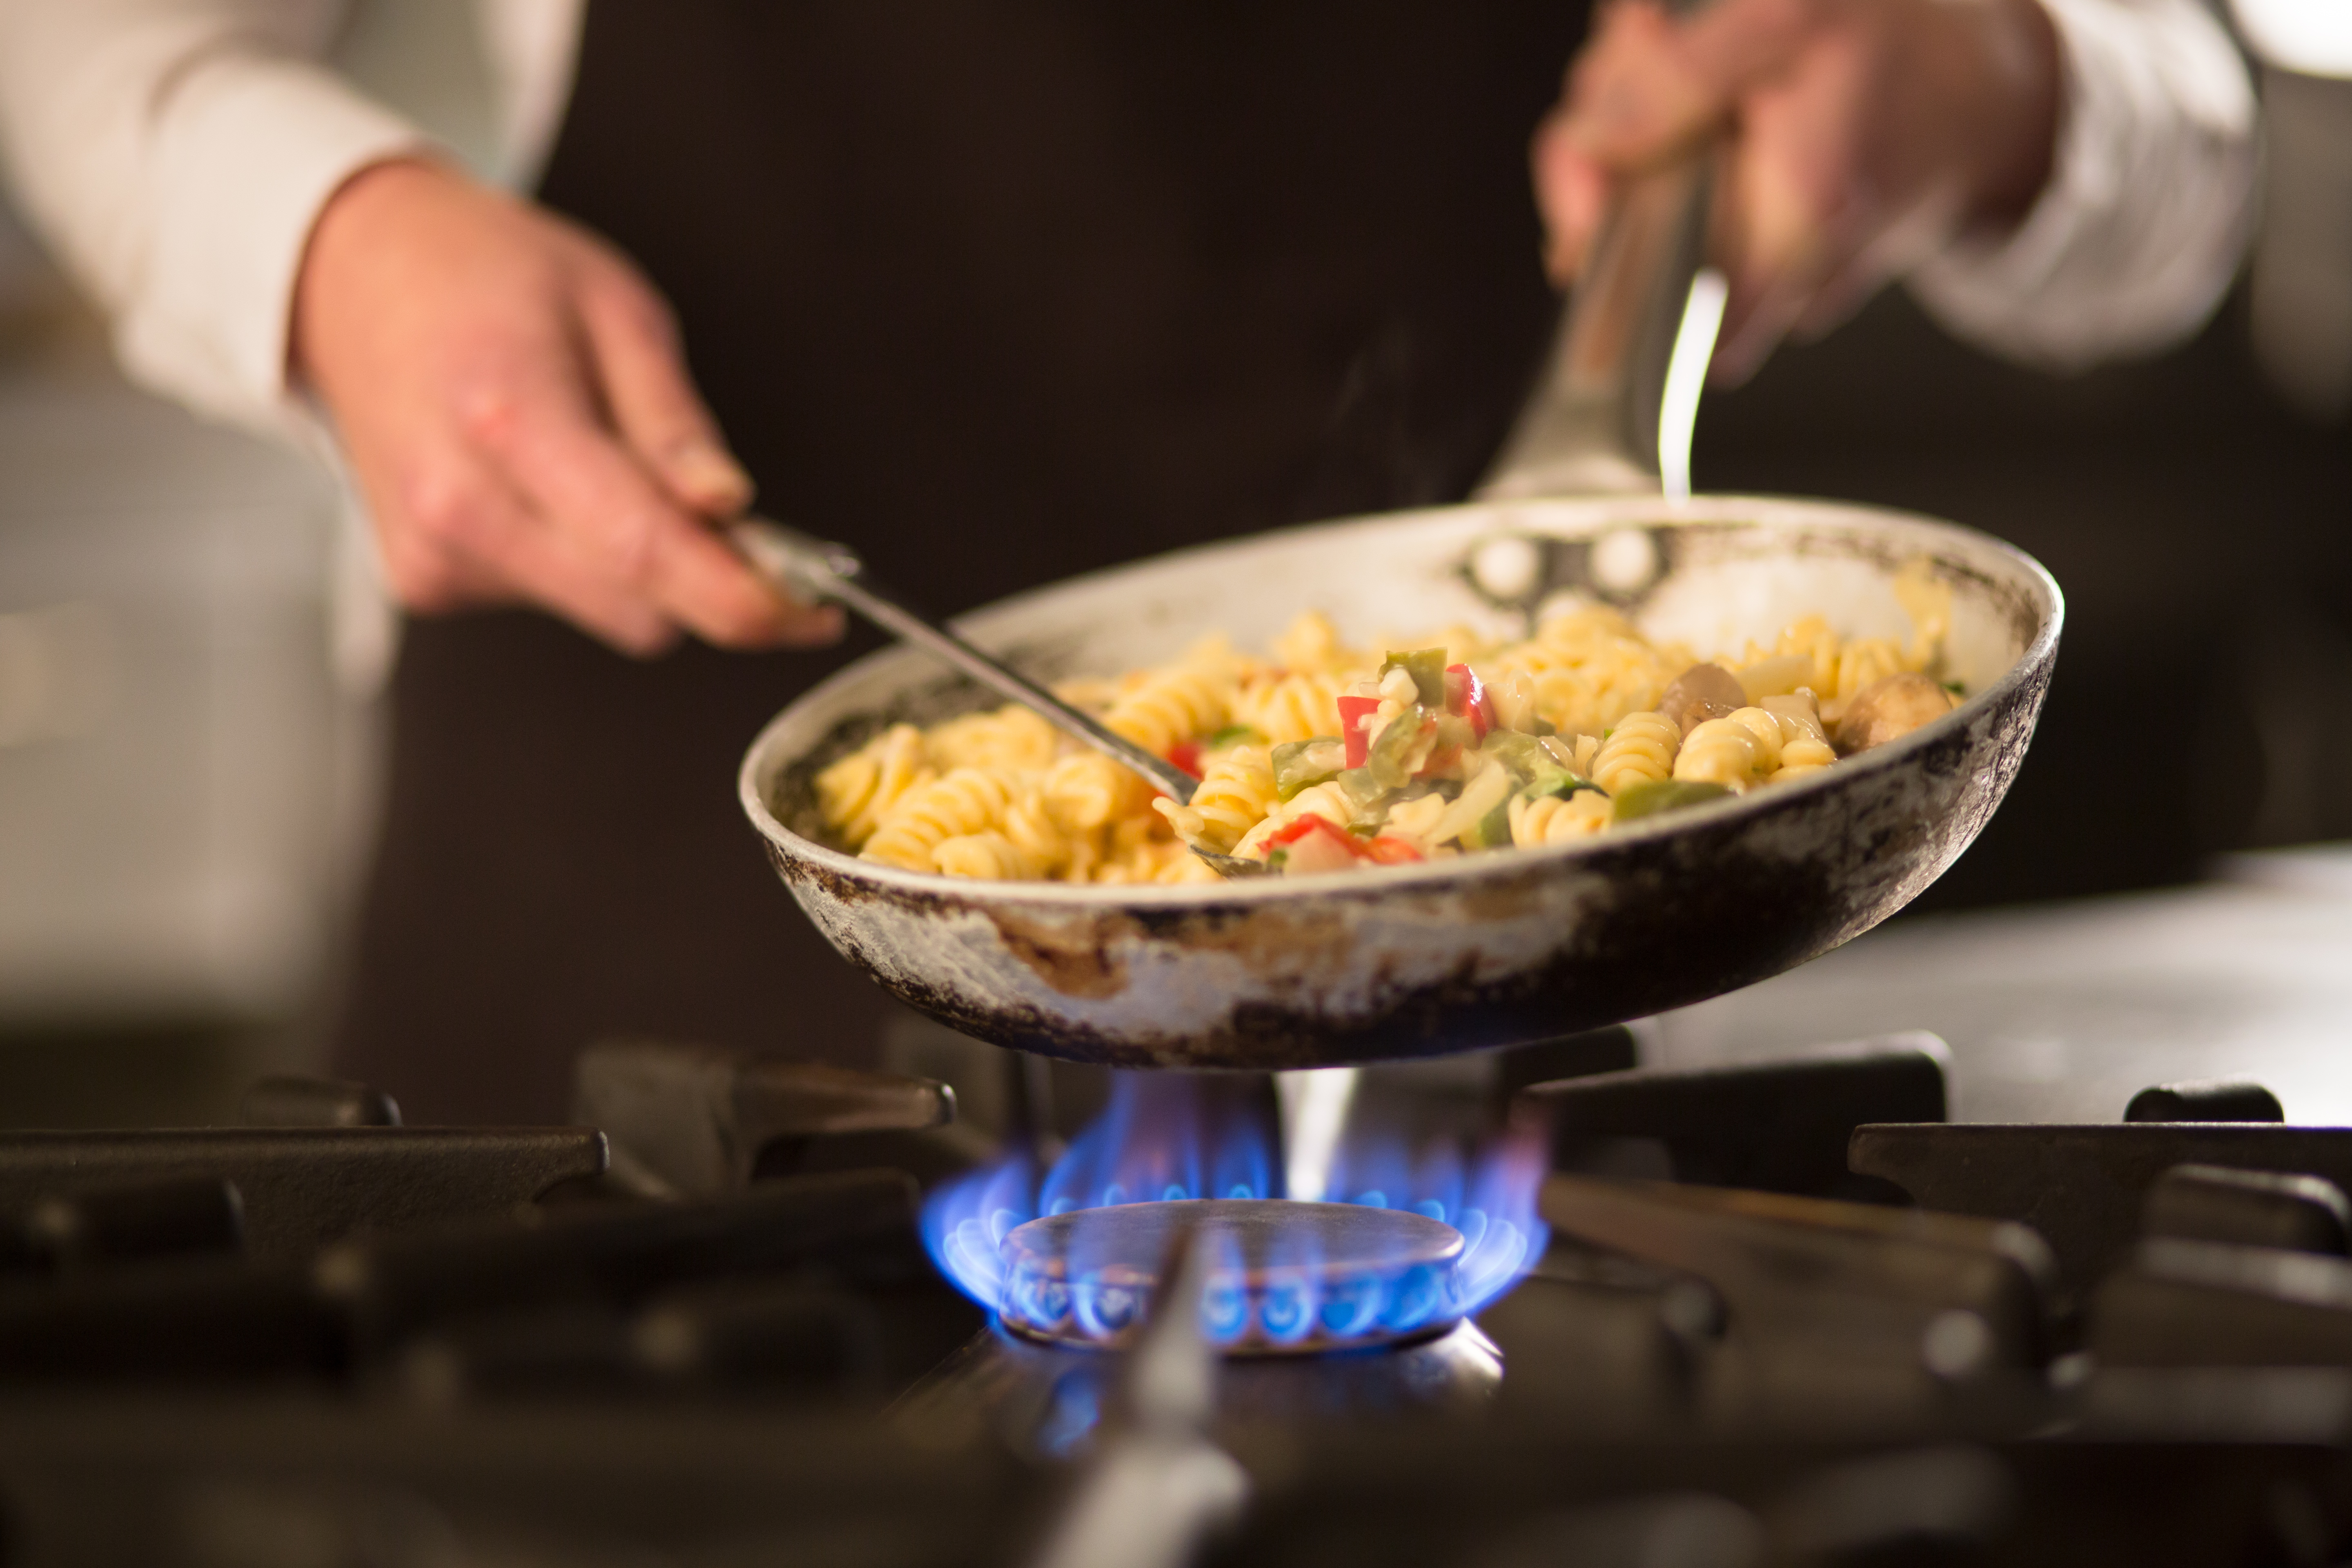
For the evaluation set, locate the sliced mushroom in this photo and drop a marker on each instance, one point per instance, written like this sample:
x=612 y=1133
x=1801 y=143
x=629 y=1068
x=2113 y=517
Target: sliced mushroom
x=1885 y=708
x=1703 y=691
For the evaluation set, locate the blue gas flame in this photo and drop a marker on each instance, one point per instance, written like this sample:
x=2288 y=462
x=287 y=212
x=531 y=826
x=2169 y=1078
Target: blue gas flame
x=1167 y=1136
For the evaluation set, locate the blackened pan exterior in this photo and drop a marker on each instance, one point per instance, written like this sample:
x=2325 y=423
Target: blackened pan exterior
x=1486 y=949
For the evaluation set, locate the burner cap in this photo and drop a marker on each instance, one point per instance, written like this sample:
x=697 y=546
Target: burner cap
x=1288 y=1278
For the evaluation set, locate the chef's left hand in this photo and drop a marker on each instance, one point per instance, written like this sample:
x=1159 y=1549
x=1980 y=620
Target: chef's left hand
x=1863 y=135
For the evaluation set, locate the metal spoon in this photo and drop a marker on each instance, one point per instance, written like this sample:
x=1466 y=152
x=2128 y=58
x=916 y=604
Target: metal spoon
x=807 y=567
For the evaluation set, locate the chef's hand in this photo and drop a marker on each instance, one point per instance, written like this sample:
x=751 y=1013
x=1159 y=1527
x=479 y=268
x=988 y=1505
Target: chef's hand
x=511 y=396
x=1863 y=134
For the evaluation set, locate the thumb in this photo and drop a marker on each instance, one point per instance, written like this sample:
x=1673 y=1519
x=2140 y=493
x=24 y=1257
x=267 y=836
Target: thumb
x=652 y=401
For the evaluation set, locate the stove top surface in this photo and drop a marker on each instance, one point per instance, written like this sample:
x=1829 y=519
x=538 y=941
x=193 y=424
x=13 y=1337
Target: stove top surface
x=1764 y=1303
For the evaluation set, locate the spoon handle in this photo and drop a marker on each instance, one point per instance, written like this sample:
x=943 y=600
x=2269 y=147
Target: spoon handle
x=809 y=566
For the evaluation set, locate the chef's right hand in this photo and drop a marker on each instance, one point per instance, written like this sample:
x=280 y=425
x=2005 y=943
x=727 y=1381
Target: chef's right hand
x=1862 y=136
x=511 y=396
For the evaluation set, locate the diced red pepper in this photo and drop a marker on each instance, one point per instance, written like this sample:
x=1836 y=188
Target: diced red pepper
x=1353 y=711
x=1467 y=698
x=1311 y=843
x=1305 y=823
x=1186 y=754
x=1383 y=850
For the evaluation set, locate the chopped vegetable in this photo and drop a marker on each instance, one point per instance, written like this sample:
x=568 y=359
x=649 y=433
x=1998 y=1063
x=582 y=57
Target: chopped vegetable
x=1559 y=784
x=1666 y=795
x=1312 y=843
x=1186 y=754
x=1386 y=850
x=1235 y=735
x=1528 y=757
x=1403 y=749
x=1297 y=829
x=1354 y=713
x=1561 y=751
x=1888 y=708
x=1467 y=698
x=1297 y=764
x=1427 y=667
x=1703 y=691
x=1492 y=831
x=1486 y=792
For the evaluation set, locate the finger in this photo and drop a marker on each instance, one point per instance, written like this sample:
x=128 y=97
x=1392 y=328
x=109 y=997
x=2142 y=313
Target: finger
x=482 y=544
x=633 y=344
x=1571 y=191
x=1633 y=97
x=1772 y=250
x=1647 y=86
x=1736 y=46
x=582 y=480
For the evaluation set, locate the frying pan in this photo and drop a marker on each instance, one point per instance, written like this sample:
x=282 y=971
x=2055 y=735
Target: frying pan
x=1486 y=948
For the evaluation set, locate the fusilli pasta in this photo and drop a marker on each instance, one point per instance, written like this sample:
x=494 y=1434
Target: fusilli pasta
x=1466 y=745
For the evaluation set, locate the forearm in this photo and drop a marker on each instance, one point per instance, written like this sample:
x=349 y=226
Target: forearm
x=175 y=156
x=2141 y=223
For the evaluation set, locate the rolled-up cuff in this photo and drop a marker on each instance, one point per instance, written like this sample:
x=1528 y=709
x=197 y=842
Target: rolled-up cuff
x=2143 y=222
x=253 y=148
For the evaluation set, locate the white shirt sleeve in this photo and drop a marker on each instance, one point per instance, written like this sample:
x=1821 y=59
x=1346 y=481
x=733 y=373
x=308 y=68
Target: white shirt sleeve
x=2145 y=214
x=175 y=155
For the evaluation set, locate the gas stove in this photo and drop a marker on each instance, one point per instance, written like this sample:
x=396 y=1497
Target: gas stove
x=1545 y=1306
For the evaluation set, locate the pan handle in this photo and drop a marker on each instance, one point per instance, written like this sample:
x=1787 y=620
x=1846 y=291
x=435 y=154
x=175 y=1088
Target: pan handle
x=1600 y=420
x=807 y=567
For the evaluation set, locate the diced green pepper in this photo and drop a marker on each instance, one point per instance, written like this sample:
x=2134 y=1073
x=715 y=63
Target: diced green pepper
x=1427 y=667
x=1560 y=784
x=1492 y=831
x=1235 y=735
x=1528 y=760
x=1363 y=794
x=1300 y=765
x=1666 y=795
x=1399 y=750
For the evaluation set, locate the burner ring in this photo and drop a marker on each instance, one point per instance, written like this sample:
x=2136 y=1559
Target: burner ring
x=1288 y=1278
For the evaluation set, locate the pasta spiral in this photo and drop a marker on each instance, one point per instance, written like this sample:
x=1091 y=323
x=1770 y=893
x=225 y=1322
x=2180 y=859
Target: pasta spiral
x=1735 y=750
x=989 y=855
x=1030 y=827
x=1641 y=749
x=1011 y=737
x=1087 y=790
x=1233 y=795
x=854 y=794
x=1168 y=709
x=965 y=801
x=1290 y=707
x=1312 y=645
x=1558 y=819
x=1804 y=746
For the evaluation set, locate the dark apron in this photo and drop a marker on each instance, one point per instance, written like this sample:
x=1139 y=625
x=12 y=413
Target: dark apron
x=1001 y=293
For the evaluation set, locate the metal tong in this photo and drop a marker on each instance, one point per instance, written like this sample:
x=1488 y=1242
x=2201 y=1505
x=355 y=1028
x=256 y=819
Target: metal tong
x=807 y=567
